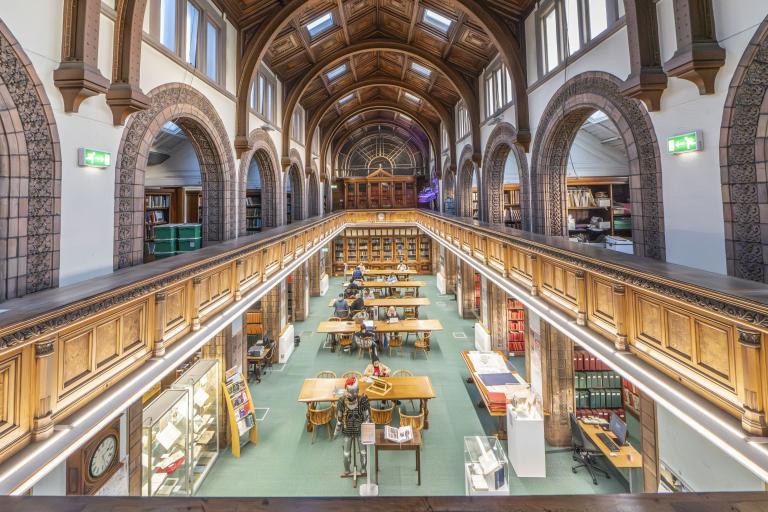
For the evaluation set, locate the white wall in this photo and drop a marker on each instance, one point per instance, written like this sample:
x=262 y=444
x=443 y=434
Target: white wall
x=182 y=169
x=588 y=157
x=698 y=462
x=54 y=483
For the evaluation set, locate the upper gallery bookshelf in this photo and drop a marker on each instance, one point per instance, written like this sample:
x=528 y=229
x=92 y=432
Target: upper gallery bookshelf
x=380 y=189
x=598 y=207
x=382 y=248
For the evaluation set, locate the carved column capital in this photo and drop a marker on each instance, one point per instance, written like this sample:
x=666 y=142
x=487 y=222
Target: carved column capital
x=44 y=348
x=750 y=339
x=160 y=296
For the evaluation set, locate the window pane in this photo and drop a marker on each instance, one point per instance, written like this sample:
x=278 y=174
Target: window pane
x=499 y=89
x=509 y=85
x=572 y=22
x=261 y=94
x=437 y=20
x=211 y=51
x=598 y=17
x=168 y=24
x=550 y=38
x=488 y=94
x=253 y=95
x=193 y=24
x=270 y=103
x=319 y=25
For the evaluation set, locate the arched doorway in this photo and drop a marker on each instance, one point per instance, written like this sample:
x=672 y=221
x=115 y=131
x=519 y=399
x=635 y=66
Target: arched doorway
x=449 y=190
x=29 y=248
x=572 y=107
x=505 y=175
x=467 y=186
x=744 y=137
x=194 y=115
x=313 y=195
x=293 y=194
x=258 y=184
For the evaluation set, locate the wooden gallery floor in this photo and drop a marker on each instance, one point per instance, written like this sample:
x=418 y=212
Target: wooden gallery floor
x=284 y=463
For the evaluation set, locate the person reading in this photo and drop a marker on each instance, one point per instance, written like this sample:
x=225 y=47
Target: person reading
x=340 y=307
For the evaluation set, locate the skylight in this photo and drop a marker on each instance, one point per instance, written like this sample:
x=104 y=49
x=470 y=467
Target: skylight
x=337 y=72
x=346 y=99
x=411 y=97
x=422 y=70
x=320 y=24
x=404 y=117
x=436 y=20
x=598 y=117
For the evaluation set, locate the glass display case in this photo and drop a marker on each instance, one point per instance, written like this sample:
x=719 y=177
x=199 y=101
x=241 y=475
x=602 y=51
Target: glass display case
x=165 y=445
x=486 y=468
x=201 y=382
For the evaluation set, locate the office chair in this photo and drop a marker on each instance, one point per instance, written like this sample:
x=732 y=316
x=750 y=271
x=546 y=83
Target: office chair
x=584 y=451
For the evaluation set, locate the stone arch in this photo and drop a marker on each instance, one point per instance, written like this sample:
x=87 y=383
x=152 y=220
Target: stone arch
x=448 y=184
x=313 y=192
x=566 y=112
x=195 y=115
x=296 y=174
x=30 y=174
x=265 y=154
x=465 y=171
x=501 y=142
x=743 y=150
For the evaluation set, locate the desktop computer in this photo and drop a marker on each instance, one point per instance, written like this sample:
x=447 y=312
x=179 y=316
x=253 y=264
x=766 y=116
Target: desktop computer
x=619 y=429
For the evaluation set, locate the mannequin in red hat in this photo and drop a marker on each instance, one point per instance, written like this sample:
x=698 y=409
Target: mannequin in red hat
x=352 y=411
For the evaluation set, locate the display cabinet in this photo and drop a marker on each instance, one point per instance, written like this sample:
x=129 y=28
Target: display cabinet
x=379 y=189
x=201 y=382
x=486 y=467
x=165 y=439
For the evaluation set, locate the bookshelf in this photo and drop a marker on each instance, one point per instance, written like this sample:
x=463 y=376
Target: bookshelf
x=253 y=210
x=511 y=200
x=599 y=390
x=475 y=204
x=380 y=189
x=289 y=297
x=477 y=287
x=515 y=327
x=254 y=327
x=157 y=211
x=604 y=198
x=288 y=208
x=631 y=398
x=194 y=206
x=382 y=248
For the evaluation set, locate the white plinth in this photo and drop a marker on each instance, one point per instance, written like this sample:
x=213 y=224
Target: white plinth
x=324 y=285
x=441 y=283
x=525 y=445
x=285 y=344
x=482 y=338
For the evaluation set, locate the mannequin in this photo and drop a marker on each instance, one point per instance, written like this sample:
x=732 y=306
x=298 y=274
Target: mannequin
x=352 y=411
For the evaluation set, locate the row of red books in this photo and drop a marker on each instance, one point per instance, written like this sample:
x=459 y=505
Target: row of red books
x=497 y=402
x=515 y=315
x=516 y=346
x=631 y=387
x=600 y=413
x=516 y=326
x=516 y=336
x=514 y=304
x=585 y=361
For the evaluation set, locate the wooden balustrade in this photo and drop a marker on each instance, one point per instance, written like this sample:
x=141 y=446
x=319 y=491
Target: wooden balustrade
x=59 y=348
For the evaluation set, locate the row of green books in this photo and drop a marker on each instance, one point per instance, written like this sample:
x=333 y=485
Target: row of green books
x=598 y=399
x=597 y=380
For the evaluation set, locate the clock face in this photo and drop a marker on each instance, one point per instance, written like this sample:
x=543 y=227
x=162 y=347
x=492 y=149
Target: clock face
x=381 y=216
x=102 y=457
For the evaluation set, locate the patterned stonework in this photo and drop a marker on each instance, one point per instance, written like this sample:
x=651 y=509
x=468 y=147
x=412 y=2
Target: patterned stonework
x=265 y=153
x=295 y=173
x=465 y=171
x=500 y=143
x=30 y=176
x=571 y=105
x=197 y=117
x=743 y=145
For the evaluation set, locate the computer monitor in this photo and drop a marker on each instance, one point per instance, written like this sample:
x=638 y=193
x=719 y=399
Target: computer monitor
x=619 y=429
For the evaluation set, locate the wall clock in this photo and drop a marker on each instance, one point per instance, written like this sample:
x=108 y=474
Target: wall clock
x=95 y=463
x=381 y=216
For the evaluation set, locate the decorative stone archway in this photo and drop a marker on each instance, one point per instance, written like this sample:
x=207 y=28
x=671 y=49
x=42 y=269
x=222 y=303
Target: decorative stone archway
x=295 y=173
x=30 y=177
x=195 y=115
x=744 y=156
x=566 y=112
x=500 y=143
x=464 y=174
x=448 y=186
x=313 y=195
x=265 y=154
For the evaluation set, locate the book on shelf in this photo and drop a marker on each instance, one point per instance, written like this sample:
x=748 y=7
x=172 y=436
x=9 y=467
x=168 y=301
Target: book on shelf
x=581 y=198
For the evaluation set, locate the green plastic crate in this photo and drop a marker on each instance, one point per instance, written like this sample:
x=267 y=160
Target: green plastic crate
x=622 y=223
x=162 y=255
x=165 y=246
x=165 y=232
x=189 y=230
x=189 y=244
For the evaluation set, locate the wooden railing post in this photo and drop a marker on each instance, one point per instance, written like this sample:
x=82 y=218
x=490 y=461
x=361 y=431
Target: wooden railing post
x=581 y=297
x=160 y=321
x=535 y=274
x=620 y=313
x=196 y=282
x=42 y=425
x=752 y=381
x=239 y=265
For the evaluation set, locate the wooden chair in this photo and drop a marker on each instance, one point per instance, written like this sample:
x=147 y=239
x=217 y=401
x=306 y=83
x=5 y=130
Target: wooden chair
x=395 y=341
x=326 y=374
x=352 y=373
x=422 y=343
x=410 y=293
x=416 y=422
x=345 y=341
x=320 y=417
x=382 y=416
x=410 y=313
x=370 y=348
x=329 y=336
x=404 y=373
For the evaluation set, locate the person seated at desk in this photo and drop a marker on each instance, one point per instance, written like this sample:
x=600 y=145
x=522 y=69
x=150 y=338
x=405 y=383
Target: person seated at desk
x=340 y=307
x=357 y=273
x=364 y=339
x=358 y=304
x=402 y=267
x=376 y=368
x=368 y=294
x=360 y=315
x=351 y=290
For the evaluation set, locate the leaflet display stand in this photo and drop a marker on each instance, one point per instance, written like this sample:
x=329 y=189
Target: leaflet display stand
x=242 y=420
x=368 y=438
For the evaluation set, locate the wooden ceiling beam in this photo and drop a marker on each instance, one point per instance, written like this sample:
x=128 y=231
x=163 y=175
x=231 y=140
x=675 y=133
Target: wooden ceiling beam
x=454 y=34
x=343 y=18
x=414 y=19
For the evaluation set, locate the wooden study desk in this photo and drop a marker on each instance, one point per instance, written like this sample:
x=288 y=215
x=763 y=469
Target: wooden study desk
x=385 y=302
x=626 y=458
x=381 y=326
x=385 y=273
x=393 y=286
x=502 y=415
x=384 y=444
x=403 y=388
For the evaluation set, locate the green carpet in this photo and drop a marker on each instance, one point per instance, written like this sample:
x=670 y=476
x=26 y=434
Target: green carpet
x=285 y=463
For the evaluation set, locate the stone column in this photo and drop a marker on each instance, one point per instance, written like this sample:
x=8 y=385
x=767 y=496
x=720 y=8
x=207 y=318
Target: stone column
x=558 y=385
x=274 y=310
x=299 y=292
x=315 y=273
x=450 y=271
x=135 y=419
x=45 y=373
x=466 y=280
x=649 y=443
x=497 y=312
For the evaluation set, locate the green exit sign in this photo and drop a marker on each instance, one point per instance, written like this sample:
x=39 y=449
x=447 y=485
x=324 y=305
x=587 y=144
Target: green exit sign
x=93 y=158
x=685 y=143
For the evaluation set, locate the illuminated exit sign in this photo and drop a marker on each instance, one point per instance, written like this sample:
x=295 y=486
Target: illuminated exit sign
x=685 y=143
x=93 y=158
